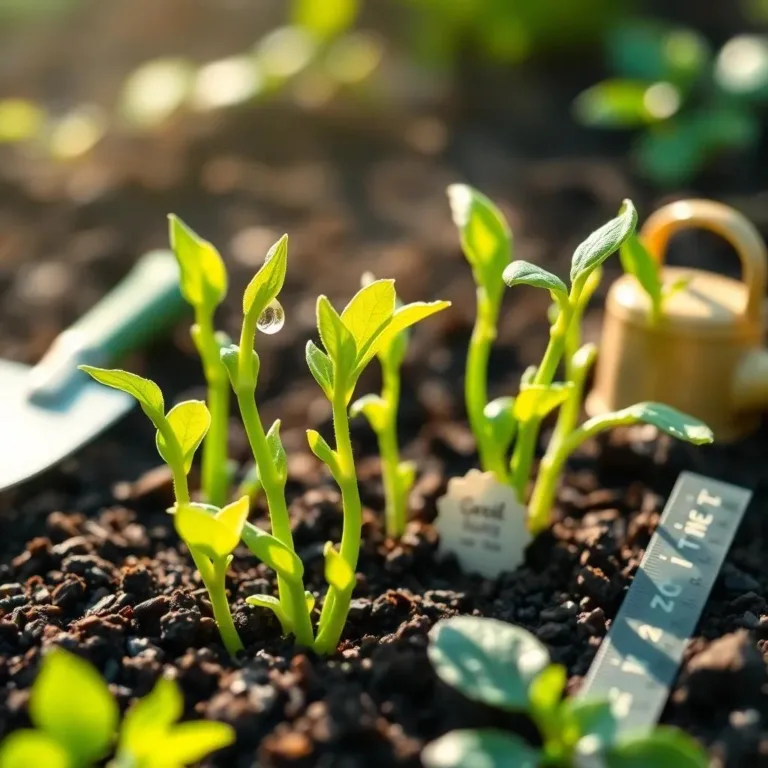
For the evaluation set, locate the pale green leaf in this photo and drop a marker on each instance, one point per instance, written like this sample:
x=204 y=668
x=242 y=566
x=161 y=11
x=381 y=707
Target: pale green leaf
x=580 y=718
x=277 y=451
x=603 y=242
x=502 y=421
x=524 y=273
x=374 y=408
x=189 y=421
x=71 y=703
x=268 y=281
x=271 y=603
x=188 y=743
x=486 y=748
x=273 y=552
x=636 y=261
x=145 y=391
x=26 y=748
x=204 y=533
x=546 y=690
x=535 y=401
x=487 y=660
x=663 y=748
x=325 y=19
x=234 y=515
x=320 y=447
x=203 y=274
x=338 y=341
x=368 y=312
x=310 y=600
x=338 y=572
x=320 y=367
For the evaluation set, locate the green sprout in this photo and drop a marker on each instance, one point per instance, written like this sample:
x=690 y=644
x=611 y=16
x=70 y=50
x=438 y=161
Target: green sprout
x=179 y=434
x=76 y=722
x=381 y=413
x=369 y=323
x=204 y=286
x=505 y=667
x=485 y=237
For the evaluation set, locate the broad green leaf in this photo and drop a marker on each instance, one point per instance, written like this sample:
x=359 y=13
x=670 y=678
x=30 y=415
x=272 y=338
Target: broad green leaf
x=321 y=368
x=235 y=515
x=204 y=533
x=277 y=451
x=189 y=421
x=603 y=242
x=580 y=718
x=487 y=660
x=369 y=311
x=203 y=274
x=188 y=743
x=148 y=719
x=273 y=604
x=327 y=19
x=636 y=261
x=485 y=235
x=404 y=317
x=663 y=748
x=268 y=281
x=26 y=748
x=338 y=341
x=535 y=401
x=524 y=273
x=502 y=421
x=663 y=417
x=72 y=704
x=485 y=748
x=337 y=570
x=618 y=103
x=273 y=552
x=374 y=408
x=145 y=391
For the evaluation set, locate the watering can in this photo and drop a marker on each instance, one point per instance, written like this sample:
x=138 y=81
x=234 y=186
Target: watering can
x=705 y=355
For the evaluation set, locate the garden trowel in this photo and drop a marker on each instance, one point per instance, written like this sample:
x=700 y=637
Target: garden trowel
x=49 y=410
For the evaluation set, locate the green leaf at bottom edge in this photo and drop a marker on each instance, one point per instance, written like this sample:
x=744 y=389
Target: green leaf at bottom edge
x=479 y=749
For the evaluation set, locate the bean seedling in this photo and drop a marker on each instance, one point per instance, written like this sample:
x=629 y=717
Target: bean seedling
x=76 y=720
x=381 y=413
x=485 y=236
x=504 y=666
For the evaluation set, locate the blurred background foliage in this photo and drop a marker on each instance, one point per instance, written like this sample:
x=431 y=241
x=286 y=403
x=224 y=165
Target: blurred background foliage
x=683 y=96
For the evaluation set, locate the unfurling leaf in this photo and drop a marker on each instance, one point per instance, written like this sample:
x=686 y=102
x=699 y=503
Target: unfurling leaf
x=203 y=274
x=203 y=532
x=486 y=748
x=603 y=242
x=72 y=704
x=502 y=421
x=272 y=552
x=320 y=367
x=338 y=341
x=277 y=452
x=369 y=311
x=268 y=281
x=636 y=261
x=337 y=571
x=145 y=391
x=374 y=408
x=536 y=401
x=487 y=660
x=273 y=604
x=189 y=422
x=524 y=273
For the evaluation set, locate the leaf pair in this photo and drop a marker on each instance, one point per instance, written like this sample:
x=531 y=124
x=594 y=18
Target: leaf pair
x=210 y=531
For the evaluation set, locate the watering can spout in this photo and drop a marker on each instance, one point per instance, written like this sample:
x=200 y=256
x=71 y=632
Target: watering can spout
x=750 y=383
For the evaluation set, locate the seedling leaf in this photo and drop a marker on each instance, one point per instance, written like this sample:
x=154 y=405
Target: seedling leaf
x=603 y=242
x=188 y=743
x=203 y=278
x=374 y=408
x=203 y=532
x=588 y=718
x=338 y=341
x=72 y=704
x=321 y=367
x=546 y=690
x=663 y=748
x=273 y=552
x=487 y=660
x=273 y=604
x=337 y=571
x=369 y=311
x=636 y=261
x=27 y=748
x=148 y=719
x=502 y=421
x=145 y=391
x=189 y=421
x=485 y=748
x=524 y=273
x=277 y=451
x=268 y=281
x=234 y=515
x=536 y=401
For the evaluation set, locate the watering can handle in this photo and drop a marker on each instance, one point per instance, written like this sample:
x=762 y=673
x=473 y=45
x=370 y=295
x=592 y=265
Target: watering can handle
x=723 y=220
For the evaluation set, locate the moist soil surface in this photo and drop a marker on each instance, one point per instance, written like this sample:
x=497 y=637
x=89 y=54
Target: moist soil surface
x=89 y=559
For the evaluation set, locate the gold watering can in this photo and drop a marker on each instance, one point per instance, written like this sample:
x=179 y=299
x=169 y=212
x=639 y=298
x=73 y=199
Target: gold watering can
x=705 y=355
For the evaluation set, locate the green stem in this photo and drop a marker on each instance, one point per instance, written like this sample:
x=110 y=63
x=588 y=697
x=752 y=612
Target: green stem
x=214 y=463
x=213 y=574
x=476 y=383
x=175 y=463
x=336 y=606
x=390 y=454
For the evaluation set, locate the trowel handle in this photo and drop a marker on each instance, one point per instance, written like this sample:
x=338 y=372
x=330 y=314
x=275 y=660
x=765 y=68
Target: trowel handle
x=142 y=305
x=724 y=221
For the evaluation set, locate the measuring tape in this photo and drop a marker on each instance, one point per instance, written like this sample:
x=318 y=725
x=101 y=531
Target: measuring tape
x=637 y=662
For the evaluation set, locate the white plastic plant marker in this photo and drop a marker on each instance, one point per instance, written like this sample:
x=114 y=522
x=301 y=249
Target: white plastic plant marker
x=482 y=523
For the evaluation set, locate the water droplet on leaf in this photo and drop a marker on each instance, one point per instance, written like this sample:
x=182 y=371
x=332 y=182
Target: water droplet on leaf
x=272 y=318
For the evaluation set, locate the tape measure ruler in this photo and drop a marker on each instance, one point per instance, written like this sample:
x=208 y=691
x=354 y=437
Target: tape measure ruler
x=637 y=662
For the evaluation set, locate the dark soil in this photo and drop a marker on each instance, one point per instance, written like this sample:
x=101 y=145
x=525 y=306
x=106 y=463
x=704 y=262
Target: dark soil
x=89 y=559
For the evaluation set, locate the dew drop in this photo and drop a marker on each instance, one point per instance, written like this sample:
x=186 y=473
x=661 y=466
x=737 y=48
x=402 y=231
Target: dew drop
x=272 y=319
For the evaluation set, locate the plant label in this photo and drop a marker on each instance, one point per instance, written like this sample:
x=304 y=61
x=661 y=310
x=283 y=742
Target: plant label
x=482 y=523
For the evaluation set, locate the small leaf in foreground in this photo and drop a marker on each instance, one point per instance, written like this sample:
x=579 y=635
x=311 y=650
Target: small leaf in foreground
x=663 y=748
x=26 y=748
x=535 y=401
x=663 y=417
x=189 y=422
x=188 y=743
x=204 y=532
x=480 y=749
